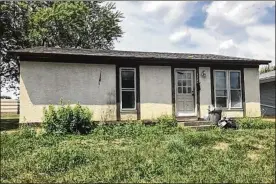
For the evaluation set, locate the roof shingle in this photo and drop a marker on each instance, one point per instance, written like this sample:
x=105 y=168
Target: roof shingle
x=132 y=54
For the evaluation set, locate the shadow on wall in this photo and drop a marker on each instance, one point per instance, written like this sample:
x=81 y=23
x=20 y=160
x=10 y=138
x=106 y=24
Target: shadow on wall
x=48 y=83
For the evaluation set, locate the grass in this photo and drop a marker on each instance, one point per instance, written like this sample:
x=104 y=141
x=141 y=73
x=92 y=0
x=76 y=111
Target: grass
x=137 y=154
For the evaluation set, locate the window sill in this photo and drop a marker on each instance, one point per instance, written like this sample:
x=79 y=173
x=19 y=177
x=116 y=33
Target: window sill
x=128 y=111
x=233 y=109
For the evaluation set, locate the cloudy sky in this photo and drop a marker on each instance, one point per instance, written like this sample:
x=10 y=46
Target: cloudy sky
x=241 y=28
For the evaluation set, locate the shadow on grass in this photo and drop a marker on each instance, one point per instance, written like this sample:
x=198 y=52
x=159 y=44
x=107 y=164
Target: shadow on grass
x=9 y=124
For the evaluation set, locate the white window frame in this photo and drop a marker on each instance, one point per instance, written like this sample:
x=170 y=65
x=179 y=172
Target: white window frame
x=127 y=89
x=228 y=89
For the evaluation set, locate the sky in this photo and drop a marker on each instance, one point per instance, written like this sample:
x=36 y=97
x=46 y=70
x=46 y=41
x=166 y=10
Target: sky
x=241 y=28
x=234 y=28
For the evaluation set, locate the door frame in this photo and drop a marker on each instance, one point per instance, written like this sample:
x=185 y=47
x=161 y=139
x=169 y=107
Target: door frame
x=195 y=91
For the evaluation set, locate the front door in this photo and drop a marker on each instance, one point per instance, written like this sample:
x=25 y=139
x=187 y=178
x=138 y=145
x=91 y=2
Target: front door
x=185 y=93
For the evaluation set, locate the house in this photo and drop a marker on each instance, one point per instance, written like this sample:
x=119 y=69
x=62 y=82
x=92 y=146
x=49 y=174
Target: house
x=123 y=85
x=267 y=91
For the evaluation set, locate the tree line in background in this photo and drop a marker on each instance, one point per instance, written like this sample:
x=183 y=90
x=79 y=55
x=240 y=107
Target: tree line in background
x=88 y=24
x=268 y=68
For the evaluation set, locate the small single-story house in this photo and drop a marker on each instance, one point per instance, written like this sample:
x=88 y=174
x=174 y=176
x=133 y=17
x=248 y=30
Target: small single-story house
x=123 y=85
x=267 y=91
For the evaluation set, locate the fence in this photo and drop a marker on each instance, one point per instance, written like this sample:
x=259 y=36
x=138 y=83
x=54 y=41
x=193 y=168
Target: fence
x=9 y=106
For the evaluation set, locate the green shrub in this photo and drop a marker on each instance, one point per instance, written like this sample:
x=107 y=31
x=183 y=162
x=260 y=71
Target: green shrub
x=67 y=119
x=167 y=121
x=27 y=132
x=254 y=123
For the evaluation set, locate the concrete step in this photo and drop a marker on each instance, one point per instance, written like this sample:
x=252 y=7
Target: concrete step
x=195 y=123
x=201 y=127
x=187 y=118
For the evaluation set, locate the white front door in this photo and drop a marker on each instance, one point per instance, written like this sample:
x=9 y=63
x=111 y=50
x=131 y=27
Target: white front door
x=185 y=93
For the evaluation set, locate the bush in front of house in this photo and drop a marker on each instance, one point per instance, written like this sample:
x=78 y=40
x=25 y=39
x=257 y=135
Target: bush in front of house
x=166 y=121
x=67 y=119
x=254 y=123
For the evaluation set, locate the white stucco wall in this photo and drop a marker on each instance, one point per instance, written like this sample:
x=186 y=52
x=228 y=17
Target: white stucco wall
x=44 y=83
x=252 y=92
x=155 y=91
x=205 y=91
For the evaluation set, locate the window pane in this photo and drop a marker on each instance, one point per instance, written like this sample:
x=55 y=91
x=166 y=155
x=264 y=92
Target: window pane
x=184 y=89
x=189 y=89
x=184 y=83
x=188 y=76
x=188 y=82
x=127 y=79
x=179 y=89
x=220 y=80
x=128 y=99
x=235 y=80
x=221 y=102
x=179 y=75
x=179 y=83
x=221 y=92
x=236 y=100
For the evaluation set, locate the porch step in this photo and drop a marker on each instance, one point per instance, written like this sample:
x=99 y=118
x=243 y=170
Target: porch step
x=187 y=118
x=196 y=123
x=199 y=125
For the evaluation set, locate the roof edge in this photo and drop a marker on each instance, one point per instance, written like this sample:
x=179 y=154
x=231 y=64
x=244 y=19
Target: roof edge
x=50 y=55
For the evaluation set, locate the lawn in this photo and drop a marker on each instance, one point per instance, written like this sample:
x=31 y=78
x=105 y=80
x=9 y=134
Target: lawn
x=137 y=153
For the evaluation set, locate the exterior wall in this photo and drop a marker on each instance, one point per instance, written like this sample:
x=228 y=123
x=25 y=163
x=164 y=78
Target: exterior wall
x=43 y=83
x=252 y=92
x=205 y=91
x=267 y=92
x=155 y=91
x=128 y=116
x=232 y=113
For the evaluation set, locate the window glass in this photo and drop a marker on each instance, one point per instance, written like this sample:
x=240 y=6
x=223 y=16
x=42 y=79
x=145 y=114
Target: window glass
x=235 y=80
x=127 y=79
x=220 y=79
x=236 y=100
x=228 y=89
x=188 y=82
x=184 y=83
x=221 y=93
x=184 y=89
x=221 y=102
x=128 y=99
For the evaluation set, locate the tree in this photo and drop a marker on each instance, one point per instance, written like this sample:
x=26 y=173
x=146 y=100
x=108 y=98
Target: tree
x=267 y=68
x=54 y=24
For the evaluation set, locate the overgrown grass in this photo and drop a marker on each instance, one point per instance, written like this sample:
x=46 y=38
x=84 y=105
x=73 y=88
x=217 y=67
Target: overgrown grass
x=137 y=153
x=255 y=123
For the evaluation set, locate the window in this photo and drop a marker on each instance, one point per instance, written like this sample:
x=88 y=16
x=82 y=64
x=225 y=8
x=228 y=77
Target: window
x=228 y=92
x=128 y=88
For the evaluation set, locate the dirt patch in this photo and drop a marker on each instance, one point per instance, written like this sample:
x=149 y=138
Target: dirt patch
x=259 y=146
x=253 y=156
x=221 y=146
x=118 y=141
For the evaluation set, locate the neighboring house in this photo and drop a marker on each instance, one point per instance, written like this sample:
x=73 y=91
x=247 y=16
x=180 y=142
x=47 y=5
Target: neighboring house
x=267 y=91
x=122 y=85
